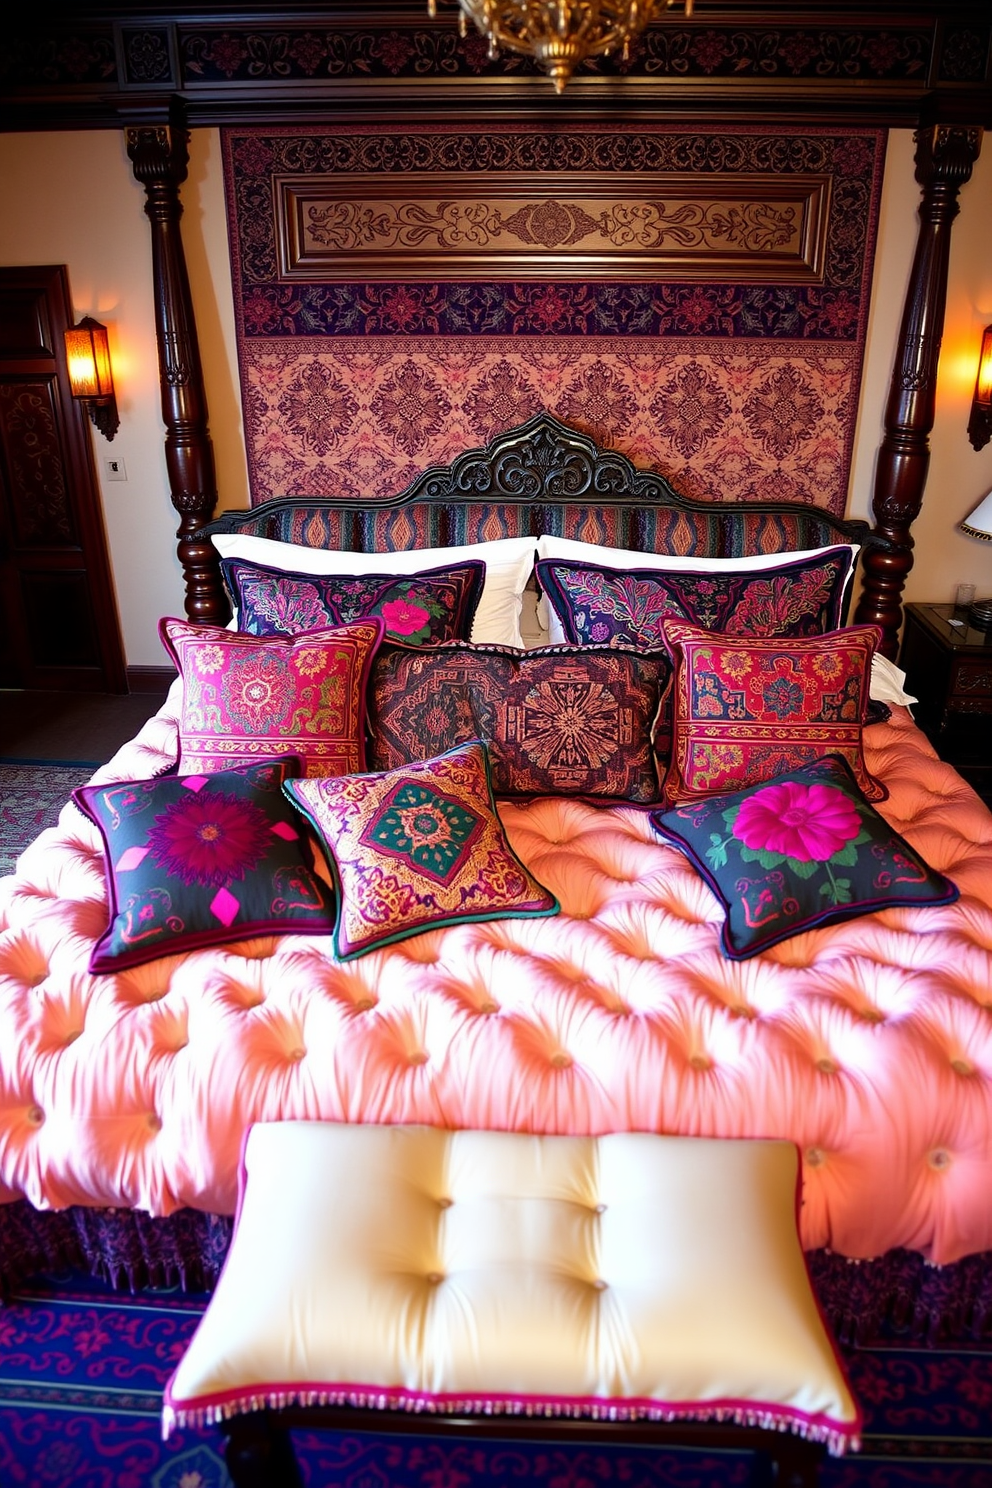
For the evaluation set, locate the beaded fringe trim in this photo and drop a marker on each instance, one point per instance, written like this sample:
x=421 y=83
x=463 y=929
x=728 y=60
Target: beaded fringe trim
x=837 y=1442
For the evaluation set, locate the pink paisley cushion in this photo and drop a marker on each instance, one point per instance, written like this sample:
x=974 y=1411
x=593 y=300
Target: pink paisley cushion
x=249 y=697
x=416 y=848
x=745 y=710
x=557 y=720
x=197 y=860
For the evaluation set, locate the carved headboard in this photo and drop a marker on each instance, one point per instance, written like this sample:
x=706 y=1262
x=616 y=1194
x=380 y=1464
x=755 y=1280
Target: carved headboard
x=542 y=477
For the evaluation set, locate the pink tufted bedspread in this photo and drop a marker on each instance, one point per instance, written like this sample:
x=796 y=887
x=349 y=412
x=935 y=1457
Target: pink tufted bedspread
x=868 y=1043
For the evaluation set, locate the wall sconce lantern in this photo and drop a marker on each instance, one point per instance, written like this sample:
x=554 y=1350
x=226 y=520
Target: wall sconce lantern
x=90 y=378
x=980 y=423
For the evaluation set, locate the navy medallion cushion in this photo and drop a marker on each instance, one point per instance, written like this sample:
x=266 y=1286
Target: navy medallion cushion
x=196 y=860
x=416 y=848
x=609 y=607
x=796 y=852
x=558 y=720
x=421 y=608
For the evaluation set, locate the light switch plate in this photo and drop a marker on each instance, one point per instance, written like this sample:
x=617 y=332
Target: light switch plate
x=113 y=468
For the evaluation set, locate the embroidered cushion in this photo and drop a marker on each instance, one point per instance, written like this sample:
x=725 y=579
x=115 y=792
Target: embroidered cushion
x=421 y=609
x=248 y=697
x=566 y=720
x=416 y=848
x=795 y=852
x=609 y=606
x=509 y=564
x=194 y=860
x=745 y=710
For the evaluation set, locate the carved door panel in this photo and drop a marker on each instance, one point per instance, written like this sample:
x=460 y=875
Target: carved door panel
x=58 y=614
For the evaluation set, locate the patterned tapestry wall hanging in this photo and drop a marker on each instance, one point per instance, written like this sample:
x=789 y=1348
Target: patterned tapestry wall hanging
x=696 y=299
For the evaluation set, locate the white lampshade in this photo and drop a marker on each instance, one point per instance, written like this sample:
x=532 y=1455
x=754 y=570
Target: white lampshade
x=979 y=522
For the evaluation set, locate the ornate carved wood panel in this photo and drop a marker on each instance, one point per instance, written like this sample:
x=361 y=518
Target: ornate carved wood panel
x=368 y=227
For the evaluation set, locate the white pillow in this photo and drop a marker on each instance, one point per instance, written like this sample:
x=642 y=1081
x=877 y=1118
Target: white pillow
x=626 y=558
x=509 y=563
x=886 y=683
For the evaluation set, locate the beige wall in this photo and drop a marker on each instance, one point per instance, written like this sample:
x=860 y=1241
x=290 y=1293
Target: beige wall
x=71 y=198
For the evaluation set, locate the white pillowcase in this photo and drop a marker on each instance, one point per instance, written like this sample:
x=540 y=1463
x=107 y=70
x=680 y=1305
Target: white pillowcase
x=626 y=558
x=509 y=563
x=886 y=683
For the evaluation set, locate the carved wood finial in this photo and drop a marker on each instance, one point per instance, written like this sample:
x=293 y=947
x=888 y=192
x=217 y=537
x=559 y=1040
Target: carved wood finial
x=945 y=155
x=159 y=158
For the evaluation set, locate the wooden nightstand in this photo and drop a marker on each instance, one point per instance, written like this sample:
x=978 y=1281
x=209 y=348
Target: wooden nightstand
x=948 y=667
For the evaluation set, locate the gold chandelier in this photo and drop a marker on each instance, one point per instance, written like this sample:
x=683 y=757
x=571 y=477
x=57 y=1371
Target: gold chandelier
x=561 y=33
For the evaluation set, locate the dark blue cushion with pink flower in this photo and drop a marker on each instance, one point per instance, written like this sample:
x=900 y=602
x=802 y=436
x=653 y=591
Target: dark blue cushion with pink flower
x=798 y=851
x=421 y=609
x=195 y=860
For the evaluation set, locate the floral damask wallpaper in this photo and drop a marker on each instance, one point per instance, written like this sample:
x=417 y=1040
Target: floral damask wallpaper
x=738 y=387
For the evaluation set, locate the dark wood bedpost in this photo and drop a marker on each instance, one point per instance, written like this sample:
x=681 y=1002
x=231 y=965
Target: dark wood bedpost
x=944 y=159
x=159 y=157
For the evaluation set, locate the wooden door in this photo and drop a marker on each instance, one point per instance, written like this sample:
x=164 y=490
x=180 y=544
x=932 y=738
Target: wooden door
x=58 y=614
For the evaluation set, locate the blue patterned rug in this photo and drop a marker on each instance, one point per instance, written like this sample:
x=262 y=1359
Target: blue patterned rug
x=32 y=793
x=82 y=1370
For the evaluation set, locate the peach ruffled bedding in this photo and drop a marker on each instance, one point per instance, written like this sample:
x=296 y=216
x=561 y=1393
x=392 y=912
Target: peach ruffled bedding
x=868 y=1043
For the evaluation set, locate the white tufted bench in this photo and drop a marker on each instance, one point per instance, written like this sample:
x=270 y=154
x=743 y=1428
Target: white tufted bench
x=625 y=1284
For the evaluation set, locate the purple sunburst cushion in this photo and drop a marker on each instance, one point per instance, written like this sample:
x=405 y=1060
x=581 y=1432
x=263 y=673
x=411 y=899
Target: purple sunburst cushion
x=416 y=848
x=247 y=698
x=438 y=604
x=197 y=860
x=796 y=852
x=558 y=720
x=746 y=710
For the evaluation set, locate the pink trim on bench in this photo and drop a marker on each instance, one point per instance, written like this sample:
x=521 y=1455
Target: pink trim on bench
x=221 y=1406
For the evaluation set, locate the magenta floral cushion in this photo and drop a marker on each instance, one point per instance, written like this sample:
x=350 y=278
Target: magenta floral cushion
x=249 y=697
x=196 y=860
x=796 y=852
x=560 y=720
x=416 y=848
x=609 y=607
x=746 y=710
x=421 y=609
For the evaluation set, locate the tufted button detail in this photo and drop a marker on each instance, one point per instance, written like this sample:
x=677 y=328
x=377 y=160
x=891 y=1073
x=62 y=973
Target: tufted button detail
x=434 y=1278
x=364 y=1004
x=815 y=1157
x=35 y=1115
x=939 y=1159
x=154 y=1122
x=600 y=1208
x=701 y=1062
x=562 y=1061
x=489 y=1006
x=445 y=1203
x=72 y=1036
x=599 y=1285
x=297 y=1054
x=419 y=1056
x=826 y=1066
x=962 y=1067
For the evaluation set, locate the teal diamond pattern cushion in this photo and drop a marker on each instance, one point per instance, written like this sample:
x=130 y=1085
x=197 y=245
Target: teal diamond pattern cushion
x=415 y=848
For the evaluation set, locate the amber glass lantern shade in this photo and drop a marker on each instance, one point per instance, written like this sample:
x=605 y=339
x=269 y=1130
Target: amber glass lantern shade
x=87 y=352
x=980 y=423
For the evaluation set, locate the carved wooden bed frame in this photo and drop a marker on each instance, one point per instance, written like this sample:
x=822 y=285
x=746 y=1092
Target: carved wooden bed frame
x=944 y=158
x=544 y=477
